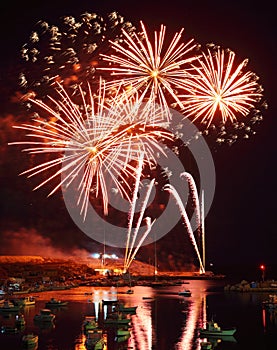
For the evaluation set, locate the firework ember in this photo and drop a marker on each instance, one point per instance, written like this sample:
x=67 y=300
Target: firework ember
x=68 y=52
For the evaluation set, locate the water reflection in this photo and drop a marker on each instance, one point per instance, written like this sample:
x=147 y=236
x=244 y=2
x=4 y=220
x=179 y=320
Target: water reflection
x=163 y=319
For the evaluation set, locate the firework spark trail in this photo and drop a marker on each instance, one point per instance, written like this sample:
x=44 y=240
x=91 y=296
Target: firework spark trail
x=143 y=66
x=219 y=85
x=96 y=141
x=195 y=197
x=169 y=188
x=148 y=229
x=133 y=206
x=141 y=213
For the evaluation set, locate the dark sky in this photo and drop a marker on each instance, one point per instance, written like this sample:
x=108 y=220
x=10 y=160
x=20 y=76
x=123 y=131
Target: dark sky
x=241 y=225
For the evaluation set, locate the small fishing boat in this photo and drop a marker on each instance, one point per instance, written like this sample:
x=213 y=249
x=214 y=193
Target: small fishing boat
x=110 y=302
x=94 y=339
x=127 y=309
x=20 y=321
x=8 y=306
x=148 y=298
x=54 y=303
x=30 y=341
x=122 y=335
x=9 y=330
x=45 y=315
x=212 y=329
x=26 y=301
x=117 y=319
x=271 y=302
x=185 y=293
x=129 y=291
x=89 y=323
x=206 y=345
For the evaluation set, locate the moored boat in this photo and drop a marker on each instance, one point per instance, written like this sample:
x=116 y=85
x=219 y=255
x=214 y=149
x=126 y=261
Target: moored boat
x=94 y=339
x=271 y=302
x=129 y=291
x=127 y=309
x=54 y=303
x=110 y=302
x=117 y=320
x=25 y=301
x=45 y=315
x=20 y=321
x=89 y=323
x=9 y=330
x=206 y=345
x=213 y=329
x=8 y=306
x=30 y=341
x=122 y=335
x=185 y=293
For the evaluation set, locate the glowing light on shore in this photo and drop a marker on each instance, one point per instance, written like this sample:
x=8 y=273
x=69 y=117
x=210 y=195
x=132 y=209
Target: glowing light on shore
x=142 y=65
x=220 y=90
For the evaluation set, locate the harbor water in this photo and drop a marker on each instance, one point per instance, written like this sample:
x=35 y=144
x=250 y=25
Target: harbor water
x=164 y=320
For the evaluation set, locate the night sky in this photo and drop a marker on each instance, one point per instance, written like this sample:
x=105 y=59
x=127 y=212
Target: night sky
x=241 y=225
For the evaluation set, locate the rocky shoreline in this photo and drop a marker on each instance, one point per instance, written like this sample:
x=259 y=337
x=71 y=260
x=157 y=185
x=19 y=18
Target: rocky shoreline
x=245 y=286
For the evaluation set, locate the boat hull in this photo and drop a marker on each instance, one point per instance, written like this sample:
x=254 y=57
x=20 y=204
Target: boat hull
x=222 y=333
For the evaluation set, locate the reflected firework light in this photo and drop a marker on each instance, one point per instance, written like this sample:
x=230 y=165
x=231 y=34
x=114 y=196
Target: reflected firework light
x=68 y=52
x=221 y=98
x=153 y=69
x=97 y=143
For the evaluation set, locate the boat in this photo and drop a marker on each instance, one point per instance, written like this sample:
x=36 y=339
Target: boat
x=148 y=298
x=129 y=291
x=100 y=345
x=89 y=323
x=127 y=309
x=54 y=303
x=45 y=315
x=9 y=330
x=271 y=302
x=213 y=329
x=8 y=306
x=117 y=320
x=206 y=345
x=94 y=339
x=30 y=341
x=26 y=301
x=122 y=335
x=20 y=321
x=185 y=293
x=110 y=302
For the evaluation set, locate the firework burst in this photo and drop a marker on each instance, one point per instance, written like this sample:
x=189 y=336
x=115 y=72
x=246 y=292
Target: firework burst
x=94 y=141
x=220 y=90
x=155 y=71
x=68 y=52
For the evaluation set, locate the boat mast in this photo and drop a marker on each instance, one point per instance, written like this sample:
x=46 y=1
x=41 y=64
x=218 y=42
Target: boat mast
x=203 y=231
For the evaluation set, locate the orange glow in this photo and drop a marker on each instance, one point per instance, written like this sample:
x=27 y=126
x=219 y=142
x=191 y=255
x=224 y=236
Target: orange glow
x=76 y=67
x=94 y=63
